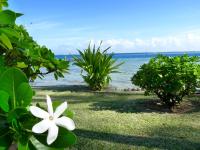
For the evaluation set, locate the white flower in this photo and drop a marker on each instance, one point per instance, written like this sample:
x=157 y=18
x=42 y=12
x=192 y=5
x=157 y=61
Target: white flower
x=51 y=120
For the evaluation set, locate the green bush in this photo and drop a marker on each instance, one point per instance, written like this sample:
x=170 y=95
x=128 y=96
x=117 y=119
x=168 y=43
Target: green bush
x=170 y=78
x=18 y=49
x=98 y=65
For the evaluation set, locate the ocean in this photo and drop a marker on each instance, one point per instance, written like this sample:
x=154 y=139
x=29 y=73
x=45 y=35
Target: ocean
x=120 y=81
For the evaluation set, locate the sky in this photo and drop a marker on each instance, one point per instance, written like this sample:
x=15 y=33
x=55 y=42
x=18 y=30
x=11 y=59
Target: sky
x=129 y=26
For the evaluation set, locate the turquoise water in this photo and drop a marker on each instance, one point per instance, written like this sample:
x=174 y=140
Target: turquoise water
x=121 y=80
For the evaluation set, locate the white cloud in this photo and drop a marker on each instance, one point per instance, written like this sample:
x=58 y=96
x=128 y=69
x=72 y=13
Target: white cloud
x=189 y=41
x=66 y=44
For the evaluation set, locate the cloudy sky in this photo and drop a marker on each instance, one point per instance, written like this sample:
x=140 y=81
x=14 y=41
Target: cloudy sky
x=126 y=25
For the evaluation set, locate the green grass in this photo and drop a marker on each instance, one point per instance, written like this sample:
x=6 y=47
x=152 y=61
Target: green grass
x=129 y=121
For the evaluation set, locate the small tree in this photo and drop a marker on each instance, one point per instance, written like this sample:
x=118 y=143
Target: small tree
x=170 y=78
x=98 y=65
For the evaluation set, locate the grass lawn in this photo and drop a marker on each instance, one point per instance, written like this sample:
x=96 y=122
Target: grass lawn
x=129 y=120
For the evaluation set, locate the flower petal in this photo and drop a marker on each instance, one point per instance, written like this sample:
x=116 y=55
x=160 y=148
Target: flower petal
x=52 y=134
x=49 y=105
x=38 y=112
x=60 y=109
x=41 y=127
x=66 y=123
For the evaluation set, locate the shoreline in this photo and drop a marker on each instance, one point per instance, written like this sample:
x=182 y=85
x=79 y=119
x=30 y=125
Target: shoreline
x=85 y=88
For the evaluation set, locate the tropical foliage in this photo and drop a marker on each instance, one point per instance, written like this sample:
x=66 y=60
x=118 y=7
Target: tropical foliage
x=16 y=119
x=15 y=92
x=18 y=49
x=97 y=66
x=170 y=78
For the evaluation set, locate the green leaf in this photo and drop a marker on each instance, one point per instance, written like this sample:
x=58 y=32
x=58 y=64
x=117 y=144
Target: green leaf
x=34 y=144
x=10 y=80
x=18 y=15
x=24 y=94
x=5 y=138
x=65 y=139
x=22 y=146
x=10 y=32
x=1 y=61
x=4 y=97
x=5 y=142
x=5 y=41
x=17 y=114
x=31 y=146
x=3 y=3
x=2 y=66
x=7 y=17
x=21 y=65
x=4 y=128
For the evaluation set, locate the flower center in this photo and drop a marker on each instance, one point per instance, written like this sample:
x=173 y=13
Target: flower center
x=50 y=117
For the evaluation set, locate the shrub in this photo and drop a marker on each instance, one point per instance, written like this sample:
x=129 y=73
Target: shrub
x=18 y=49
x=98 y=65
x=170 y=78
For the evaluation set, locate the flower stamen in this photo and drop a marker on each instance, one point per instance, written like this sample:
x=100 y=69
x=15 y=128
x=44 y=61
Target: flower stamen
x=51 y=120
x=50 y=117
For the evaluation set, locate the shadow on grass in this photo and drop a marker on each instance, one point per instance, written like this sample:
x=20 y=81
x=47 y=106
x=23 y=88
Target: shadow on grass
x=131 y=106
x=150 y=142
x=175 y=131
x=195 y=101
x=146 y=104
x=122 y=102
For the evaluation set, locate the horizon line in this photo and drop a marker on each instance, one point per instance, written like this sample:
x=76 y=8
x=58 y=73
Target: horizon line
x=154 y=52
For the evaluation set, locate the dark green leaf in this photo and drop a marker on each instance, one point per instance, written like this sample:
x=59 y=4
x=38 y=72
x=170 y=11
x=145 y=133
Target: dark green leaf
x=65 y=139
x=5 y=142
x=5 y=138
x=16 y=114
x=24 y=94
x=36 y=145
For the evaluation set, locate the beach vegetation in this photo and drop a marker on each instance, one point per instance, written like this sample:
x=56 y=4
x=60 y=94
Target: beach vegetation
x=18 y=49
x=18 y=121
x=170 y=78
x=96 y=65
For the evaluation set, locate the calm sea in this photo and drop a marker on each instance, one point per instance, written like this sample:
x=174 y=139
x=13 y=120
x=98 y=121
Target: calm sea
x=132 y=62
